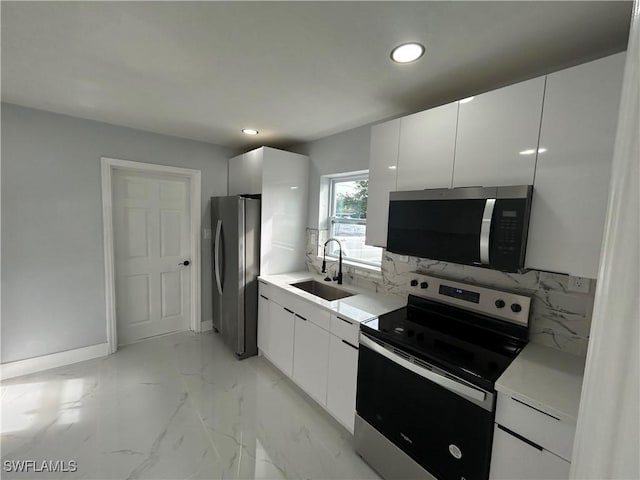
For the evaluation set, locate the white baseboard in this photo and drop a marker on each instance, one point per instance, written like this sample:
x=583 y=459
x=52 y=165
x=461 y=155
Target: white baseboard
x=207 y=325
x=54 y=360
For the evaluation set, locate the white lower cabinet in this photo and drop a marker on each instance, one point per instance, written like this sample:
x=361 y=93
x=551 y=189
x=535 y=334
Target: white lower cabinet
x=316 y=349
x=341 y=388
x=529 y=443
x=515 y=458
x=264 y=307
x=311 y=358
x=280 y=337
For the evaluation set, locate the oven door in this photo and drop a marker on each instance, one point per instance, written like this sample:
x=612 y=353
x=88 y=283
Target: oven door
x=443 y=423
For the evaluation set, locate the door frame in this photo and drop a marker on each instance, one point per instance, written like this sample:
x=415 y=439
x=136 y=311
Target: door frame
x=195 y=185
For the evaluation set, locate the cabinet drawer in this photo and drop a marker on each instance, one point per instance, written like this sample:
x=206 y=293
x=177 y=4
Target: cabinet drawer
x=265 y=289
x=278 y=295
x=346 y=329
x=513 y=458
x=549 y=432
x=314 y=313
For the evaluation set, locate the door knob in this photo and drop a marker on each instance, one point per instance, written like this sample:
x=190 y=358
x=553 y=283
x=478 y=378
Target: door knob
x=185 y=263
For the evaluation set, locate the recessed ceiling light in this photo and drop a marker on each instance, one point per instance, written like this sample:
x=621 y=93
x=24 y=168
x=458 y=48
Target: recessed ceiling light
x=542 y=150
x=392 y=167
x=249 y=131
x=407 y=52
x=466 y=100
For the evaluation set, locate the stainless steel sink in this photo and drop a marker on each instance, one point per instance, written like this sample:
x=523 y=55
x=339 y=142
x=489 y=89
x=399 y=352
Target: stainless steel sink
x=322 y=290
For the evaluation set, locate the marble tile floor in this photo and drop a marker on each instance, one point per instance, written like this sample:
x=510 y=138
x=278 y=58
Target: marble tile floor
x=178 y=406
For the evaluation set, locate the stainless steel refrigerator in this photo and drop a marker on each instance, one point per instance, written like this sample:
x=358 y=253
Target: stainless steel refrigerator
x=236 y=264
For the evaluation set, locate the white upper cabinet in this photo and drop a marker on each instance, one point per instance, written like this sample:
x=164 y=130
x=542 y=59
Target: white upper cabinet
x=572 y=177
x=383 y=162
x=282 y=178
x=284 y=212
x=427 y=145
x=245 y=173
x=493 y=129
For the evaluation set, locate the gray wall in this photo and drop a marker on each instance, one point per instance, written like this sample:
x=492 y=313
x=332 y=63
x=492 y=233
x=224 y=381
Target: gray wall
x=52 y=246
x=344 y=152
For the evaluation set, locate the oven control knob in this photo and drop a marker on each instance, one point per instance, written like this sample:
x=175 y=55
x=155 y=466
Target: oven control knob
x=500 y=303
x=515 y=307
x=414 y=283
x=455 y=451
x=424 y=285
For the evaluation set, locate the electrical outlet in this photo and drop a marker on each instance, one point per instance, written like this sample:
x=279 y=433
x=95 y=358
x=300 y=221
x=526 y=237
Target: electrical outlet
x=579 y=284
x=207 y=233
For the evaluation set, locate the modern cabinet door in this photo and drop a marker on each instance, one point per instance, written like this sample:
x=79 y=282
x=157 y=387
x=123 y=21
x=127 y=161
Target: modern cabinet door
x=383 y=162
x=516 y=458
x=572 y=176
x=341 y=389
x=427 y=144
x=497 y=137
x=280 y=337
x=245 y=173
x=311 y=358
x=264 y=321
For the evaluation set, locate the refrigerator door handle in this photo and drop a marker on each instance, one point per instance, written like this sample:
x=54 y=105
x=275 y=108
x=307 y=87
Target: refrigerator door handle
x=216 y=256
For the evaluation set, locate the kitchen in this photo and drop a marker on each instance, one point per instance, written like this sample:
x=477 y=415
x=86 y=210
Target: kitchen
x=556 y=308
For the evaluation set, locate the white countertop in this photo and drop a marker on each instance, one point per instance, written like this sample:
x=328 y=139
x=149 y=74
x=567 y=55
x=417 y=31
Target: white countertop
x=363 y=305
x=547 y=379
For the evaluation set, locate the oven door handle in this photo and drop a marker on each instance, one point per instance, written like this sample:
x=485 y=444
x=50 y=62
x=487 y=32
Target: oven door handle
x=445 y=382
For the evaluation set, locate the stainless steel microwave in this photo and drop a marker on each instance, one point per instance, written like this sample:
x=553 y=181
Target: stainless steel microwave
x=482 y=226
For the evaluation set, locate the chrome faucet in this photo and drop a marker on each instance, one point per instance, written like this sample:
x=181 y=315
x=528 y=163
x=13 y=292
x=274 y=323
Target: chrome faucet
x=324 y=260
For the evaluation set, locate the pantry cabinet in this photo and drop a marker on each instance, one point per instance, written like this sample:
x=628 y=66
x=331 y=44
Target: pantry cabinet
x=427 y=145
x=281 y=178
x=497 y=136
x=572 y=176
x=383 y=162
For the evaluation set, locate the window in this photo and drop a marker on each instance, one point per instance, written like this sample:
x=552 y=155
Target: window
x=348 y=219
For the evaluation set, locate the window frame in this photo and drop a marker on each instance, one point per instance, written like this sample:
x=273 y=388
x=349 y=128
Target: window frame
x=332 y=219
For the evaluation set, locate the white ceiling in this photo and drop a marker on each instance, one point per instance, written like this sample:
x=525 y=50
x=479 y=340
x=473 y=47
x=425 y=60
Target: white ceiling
x=296 y=71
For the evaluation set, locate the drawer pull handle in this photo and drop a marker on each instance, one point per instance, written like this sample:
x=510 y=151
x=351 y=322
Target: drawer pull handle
x=347 y=343
x=345 y=321
x=520 y=437
x=266 y=298
x=300 y=317
x=534 y=408
x=290 y=311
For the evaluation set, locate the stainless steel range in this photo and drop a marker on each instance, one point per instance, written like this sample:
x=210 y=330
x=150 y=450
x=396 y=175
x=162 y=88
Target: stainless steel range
x=426 y=374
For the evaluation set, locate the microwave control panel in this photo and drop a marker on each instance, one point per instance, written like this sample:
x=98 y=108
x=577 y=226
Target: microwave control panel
x=508 y=234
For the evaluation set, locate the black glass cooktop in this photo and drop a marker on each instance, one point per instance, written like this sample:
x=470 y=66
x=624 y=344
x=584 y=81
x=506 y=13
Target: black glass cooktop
x=476 y=347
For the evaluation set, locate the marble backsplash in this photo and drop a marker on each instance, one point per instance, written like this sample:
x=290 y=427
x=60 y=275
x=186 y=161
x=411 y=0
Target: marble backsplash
x=559 y=318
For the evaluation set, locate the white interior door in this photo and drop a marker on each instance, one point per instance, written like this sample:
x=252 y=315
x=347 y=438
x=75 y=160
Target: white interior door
x=151 y=243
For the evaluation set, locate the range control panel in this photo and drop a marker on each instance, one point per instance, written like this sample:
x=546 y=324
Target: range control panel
x=508 y=306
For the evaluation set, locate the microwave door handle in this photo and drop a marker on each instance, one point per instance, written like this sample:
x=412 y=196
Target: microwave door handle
x=445 y=382
x=485 y=230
